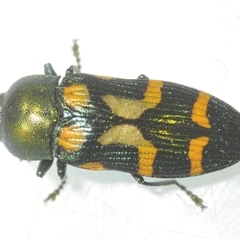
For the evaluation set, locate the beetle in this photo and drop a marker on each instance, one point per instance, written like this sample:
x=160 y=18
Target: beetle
x=144 y=127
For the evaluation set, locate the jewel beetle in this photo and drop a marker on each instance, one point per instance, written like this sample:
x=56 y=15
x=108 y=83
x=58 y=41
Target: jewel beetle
x=144 y=127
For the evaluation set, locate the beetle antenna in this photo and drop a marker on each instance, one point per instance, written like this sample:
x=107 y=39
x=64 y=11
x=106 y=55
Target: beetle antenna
x=75 y=49
x=52 y=196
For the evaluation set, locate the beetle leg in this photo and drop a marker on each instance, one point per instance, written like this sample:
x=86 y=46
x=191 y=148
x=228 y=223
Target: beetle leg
x=198 y=201
x=61 y=168
x=71 y=70
x=142 y=76
x=43 y=167
x=48 y=69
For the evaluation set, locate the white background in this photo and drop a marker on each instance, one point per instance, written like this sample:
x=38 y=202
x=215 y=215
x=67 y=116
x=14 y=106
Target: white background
x=196 y=43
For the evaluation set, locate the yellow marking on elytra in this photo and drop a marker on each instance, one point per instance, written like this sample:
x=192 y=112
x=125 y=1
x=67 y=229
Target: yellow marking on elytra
x=71 y=138
x=95 y=166
x=153 y=94
x=76 y=96
x=132 y=109
x=130 y=135
x=104 y=77
x=199 y=111
x=195 y=154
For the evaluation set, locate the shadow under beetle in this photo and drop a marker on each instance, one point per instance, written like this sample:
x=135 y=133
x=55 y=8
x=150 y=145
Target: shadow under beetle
x=140 y=126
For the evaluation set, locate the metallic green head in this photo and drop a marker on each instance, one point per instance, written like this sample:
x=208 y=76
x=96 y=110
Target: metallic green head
x=28 y=116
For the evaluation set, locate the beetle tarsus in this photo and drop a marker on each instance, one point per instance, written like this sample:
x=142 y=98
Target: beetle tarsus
x=198 y=201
